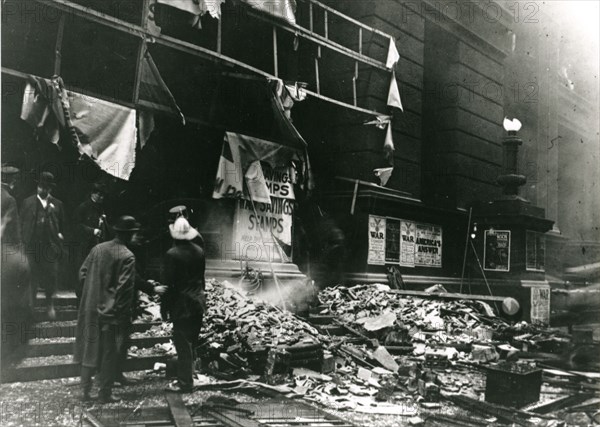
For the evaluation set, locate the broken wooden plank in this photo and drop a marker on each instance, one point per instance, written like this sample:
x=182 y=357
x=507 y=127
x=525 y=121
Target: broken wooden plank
x=591 y=406
x=455 y=420
x=179 y=413
x=232 y=419
x=556 y=404
x=503 y=413
x=371 y=341
x=385 y=359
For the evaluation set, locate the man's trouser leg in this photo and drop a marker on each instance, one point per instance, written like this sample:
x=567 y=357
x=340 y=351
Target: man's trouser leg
x=185 y=337
x=86 y=379
x=33 y=258
x=51 y=267
x=123 y=348
x=111 y=338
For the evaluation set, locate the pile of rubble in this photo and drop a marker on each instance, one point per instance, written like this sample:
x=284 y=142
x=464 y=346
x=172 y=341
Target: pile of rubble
x=456 y=329
x=401 y=355
x=232 y=318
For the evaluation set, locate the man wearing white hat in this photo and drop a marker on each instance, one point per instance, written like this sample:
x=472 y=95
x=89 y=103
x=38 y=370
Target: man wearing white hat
x=184 y=302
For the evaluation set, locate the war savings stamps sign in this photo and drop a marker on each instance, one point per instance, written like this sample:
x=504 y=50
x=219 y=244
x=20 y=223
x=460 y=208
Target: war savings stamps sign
x=274 y=220
x=420 y=245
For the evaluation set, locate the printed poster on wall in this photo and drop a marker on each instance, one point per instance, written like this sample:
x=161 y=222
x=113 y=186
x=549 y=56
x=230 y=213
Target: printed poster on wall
x=540 y=305
x=428 y=249
x=496 y=250
x=376 y=240
x=392 y=241
x=275 y=221
x=408 y=230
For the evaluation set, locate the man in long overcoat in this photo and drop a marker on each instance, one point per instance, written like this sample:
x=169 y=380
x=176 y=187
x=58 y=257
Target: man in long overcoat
x=105 y=312
x=43 y=222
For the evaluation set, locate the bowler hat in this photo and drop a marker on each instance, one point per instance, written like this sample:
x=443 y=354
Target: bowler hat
x=126 y=223
x=46 y=178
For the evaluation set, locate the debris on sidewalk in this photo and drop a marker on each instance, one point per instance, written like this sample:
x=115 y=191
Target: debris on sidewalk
x=392 y=355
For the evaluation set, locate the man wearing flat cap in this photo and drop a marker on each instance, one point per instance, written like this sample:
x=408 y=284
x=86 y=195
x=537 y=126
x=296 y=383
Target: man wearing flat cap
x=105 y=313
x=42 y=223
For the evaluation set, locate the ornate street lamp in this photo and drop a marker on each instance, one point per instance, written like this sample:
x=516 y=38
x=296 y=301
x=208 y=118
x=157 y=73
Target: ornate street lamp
x=511 y=180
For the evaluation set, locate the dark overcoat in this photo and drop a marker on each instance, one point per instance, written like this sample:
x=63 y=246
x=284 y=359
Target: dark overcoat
x=108 y=276
x=32 y=208
x=10 y=231
x=183 y=274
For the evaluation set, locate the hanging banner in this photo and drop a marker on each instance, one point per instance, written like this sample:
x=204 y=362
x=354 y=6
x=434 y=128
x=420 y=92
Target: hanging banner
x=496 y=250
x=376 y=240
x=392 y=241
x=408 y=230
x=540 y=305
x=275 y=222
x=250 y=160
x=428 y=249
x=279 y=181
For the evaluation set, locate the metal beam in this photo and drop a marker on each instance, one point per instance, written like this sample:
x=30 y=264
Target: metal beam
x=171 y=42
x=349 y=19
x=320 y=40
x=58 y=46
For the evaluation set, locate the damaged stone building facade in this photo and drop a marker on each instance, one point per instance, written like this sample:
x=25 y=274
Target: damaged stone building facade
x=406 y=187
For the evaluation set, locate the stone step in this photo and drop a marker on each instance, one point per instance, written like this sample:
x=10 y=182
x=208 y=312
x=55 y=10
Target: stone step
x=60 y=298
x=51 y=367
x=63 y=312
x=64 y=345
x=68 y=328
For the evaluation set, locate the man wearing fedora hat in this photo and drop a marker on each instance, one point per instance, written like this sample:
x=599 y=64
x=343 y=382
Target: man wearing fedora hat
x=91 y=226
x=105 y=313
x=184 y=302
x=42 y=222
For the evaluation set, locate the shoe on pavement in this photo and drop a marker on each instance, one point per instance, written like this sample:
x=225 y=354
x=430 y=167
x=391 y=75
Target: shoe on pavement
x=175 y=387
x=124 y=381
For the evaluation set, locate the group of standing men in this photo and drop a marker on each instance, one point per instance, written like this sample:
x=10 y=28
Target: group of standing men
x=107 y=279
x=109 y=284
x=36 y=231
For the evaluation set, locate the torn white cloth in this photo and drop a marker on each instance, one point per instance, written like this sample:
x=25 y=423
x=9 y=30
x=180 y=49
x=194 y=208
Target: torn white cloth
x=107 y=131
x=394 y=94
x=393 y=55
